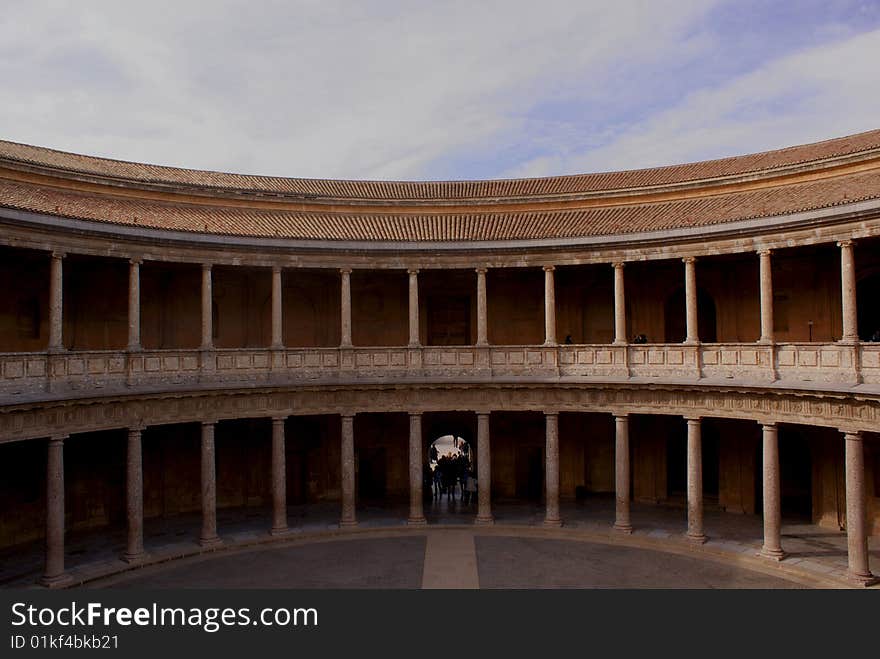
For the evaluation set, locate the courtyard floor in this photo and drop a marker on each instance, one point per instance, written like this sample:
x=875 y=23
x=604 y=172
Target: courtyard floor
x=517 y=552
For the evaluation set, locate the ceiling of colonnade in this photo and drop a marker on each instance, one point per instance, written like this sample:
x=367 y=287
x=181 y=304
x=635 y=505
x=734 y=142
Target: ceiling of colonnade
x=814 y=176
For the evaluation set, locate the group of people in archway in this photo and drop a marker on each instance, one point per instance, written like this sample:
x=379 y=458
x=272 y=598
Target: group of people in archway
x=451 y=472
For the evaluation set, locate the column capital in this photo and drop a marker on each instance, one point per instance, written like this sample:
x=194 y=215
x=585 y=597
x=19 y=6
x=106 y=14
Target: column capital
x=209 y=422
x=480 y=413
x=770 y=424
x=553 y=413
x=852 y=435
x=345 y=271
x=481 y=270
x=415 y=414
x=618 y=265
x=620 y=416
x=347 y=415
x=279 y=419
x=136 y=260
x=276 y=269
x=206 y=267
x=57 y=254
x=689 y=259
x=693 y=419
x=548 y=268
x=412 y=271
x=849 y=242
x=58 y=439
x=765 y=252
x=138 y=428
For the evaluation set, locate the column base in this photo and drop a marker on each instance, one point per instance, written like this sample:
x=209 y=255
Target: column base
x=623 y=527
x=133 y=557
x=484 y=521
x=696 y=538
x=553 y=523
x=416 y=521
x=348 y=523
x=210 y=543
x=281 y=530
x=772 y=554
x=863 y=579
x=57 y=581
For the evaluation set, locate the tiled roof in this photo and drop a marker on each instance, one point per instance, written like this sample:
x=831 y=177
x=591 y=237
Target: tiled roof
x=415 y=226
x=62 y=163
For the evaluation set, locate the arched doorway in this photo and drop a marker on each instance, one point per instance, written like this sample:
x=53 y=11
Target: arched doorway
x=450 y=460
x=675 y=319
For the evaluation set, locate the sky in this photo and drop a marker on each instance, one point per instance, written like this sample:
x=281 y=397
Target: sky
x=404 y=89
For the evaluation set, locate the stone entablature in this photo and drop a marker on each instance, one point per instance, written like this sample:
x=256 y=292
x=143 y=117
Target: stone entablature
x=35 y=375
x=847 y=412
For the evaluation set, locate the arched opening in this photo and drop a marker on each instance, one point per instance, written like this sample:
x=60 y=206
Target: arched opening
x=868 y=290
x=676 y=320
x=451 y=465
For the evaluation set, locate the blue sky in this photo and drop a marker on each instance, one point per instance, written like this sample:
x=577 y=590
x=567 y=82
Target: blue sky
x=435 y=90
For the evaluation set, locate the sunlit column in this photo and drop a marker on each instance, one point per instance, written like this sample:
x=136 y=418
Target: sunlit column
x=345 y=307
x=277 y=309
x=209 y=537
x=207 y=308
x=619 y=305
x=690 y=294
x=134 y=304
x=413 y=308
x=695 y=482
x=54 y=573
x=482 y=313
x=766 y=275
x=549 y=306
x=772 y=494
x=416 y=503
x=348 y=512
x=279 y=477
x=848 y=292
x=856 y=519
x=56 y=302
x=484 y=471
x=134 y=496
x=551 y=517
x=621 y=474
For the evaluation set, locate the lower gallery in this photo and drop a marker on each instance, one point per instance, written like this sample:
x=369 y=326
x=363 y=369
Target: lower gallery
x=697 y=343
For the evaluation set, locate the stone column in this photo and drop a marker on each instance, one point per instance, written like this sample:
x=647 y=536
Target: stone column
x=207 y=308
x=413 y=308
x=209 y=537
x=619 y=305
x=348 y=513
x=134 y=305
x=134 y=497
x=766 y=276
x=482 y=313
x=551 y=462
x=690 y=294
x=772 y=495
x=848 y=292
x=54 y=574
x=484 y=471
x=279 y=477
x=56 y=303
x=622 y=521
x=345 y=307
x=856 y=521
x=277 y=310
x=695 y=482
x=549 y=307
x=416 y=506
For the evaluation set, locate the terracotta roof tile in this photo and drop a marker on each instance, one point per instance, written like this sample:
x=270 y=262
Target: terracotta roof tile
x=61 y=162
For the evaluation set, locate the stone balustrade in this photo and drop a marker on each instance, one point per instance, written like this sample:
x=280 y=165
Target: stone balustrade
x=33 y=374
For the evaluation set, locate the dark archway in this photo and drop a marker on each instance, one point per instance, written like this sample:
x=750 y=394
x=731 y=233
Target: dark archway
x=676 y=321
x=867 y=295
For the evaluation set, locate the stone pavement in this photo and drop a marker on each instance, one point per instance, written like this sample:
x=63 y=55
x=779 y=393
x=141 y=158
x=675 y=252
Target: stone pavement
x=817 y=556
